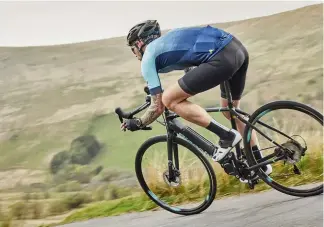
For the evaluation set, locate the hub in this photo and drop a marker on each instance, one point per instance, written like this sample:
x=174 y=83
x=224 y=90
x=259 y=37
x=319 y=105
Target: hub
x=176 y=182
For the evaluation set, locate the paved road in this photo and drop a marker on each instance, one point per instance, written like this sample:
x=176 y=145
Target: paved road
x=271 y=208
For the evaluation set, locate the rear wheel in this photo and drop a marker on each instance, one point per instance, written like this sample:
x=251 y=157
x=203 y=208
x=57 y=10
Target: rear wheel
x=193 y=188
x=300 y=172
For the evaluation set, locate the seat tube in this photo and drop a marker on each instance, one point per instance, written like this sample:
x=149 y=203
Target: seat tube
x=230 y=106
x=228 y=94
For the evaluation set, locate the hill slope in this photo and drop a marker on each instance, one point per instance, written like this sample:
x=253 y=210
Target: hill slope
x=49 y=95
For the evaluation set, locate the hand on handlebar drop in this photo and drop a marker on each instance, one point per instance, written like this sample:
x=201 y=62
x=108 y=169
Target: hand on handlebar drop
x=130 y=124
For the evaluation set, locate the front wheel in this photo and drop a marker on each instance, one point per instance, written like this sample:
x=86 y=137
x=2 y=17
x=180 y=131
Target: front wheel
x=193 y=186
x=294 y=144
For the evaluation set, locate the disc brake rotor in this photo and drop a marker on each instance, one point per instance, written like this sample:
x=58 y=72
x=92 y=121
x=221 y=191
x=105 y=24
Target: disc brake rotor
x=173 y=183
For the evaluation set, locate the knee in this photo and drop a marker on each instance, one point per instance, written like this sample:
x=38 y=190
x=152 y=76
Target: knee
x=173 y=96
x=168 y=102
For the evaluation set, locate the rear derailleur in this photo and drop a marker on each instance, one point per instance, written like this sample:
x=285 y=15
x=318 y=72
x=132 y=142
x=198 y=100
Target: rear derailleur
x=292 y=151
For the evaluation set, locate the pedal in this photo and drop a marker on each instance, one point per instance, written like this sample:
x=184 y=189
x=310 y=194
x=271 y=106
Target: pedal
x=252 y=183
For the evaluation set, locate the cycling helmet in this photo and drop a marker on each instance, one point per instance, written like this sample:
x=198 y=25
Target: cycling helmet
x=145 y=31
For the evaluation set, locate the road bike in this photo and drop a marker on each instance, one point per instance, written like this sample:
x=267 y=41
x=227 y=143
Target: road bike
x=287 y=150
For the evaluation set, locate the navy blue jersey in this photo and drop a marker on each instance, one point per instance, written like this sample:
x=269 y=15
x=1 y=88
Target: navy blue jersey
x=179 y=49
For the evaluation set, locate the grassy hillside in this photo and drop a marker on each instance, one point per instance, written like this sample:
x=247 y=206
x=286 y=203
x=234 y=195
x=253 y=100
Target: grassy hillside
x=50 y=95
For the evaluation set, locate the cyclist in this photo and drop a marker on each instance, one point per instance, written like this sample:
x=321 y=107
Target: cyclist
x=209 y=56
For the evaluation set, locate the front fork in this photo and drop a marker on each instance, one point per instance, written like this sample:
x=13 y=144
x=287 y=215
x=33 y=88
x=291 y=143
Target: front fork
x=172 y=153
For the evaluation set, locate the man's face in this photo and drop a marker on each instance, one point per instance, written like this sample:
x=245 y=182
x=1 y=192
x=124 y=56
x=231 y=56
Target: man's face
x=137 y=53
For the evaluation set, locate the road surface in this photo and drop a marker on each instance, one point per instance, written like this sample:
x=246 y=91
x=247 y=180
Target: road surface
x=270 y=208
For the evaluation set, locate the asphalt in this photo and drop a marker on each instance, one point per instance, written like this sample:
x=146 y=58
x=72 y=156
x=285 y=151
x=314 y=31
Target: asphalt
x=271 y=208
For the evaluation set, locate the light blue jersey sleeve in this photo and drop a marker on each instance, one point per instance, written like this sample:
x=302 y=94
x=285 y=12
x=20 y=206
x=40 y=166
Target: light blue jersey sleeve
x=149 y=72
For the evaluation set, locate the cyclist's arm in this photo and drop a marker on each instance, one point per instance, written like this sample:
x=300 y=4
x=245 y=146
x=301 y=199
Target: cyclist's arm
x=152 y=78
x=154 y=111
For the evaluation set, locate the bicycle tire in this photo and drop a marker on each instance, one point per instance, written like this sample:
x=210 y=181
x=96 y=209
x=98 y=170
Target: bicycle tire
x=179 y=141
x=261 y=111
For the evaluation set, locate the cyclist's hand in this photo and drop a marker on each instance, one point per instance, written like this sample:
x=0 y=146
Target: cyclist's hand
x=130 y=124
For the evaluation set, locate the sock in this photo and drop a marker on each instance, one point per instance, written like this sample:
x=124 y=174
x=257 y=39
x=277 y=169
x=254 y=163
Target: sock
x=256 y=152
x=220 y=130
x=258 y=156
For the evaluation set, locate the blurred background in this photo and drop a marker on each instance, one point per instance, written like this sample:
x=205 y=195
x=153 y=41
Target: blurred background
x=65 y=67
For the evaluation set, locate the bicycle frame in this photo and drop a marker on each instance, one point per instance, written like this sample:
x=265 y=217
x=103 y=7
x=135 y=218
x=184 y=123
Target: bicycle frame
x=174 y=127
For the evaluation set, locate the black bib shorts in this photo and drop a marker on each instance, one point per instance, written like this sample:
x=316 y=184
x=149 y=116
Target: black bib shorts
x=231 y=64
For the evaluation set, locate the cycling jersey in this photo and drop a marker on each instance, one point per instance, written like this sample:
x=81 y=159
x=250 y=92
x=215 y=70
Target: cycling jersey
x=179 y=49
